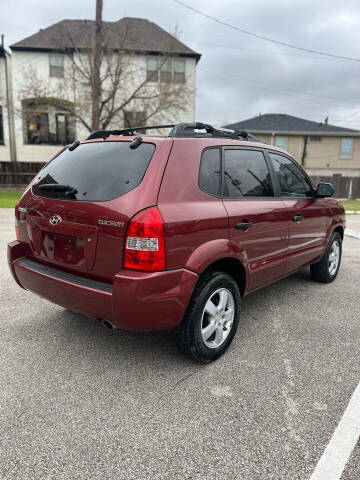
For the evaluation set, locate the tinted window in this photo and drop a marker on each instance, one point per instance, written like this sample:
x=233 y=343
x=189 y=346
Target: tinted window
x=292 y=181
x=98 y=171
x=246 y=174
x=209 y=176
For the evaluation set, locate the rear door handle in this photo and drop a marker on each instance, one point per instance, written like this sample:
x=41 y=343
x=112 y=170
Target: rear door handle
x=297 y=218
x=243 y=226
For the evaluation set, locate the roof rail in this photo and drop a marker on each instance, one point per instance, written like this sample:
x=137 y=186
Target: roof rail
x=180 y=130
x=125 y=131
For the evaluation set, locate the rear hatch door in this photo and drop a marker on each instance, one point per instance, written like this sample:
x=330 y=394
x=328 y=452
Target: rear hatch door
x=76 y=213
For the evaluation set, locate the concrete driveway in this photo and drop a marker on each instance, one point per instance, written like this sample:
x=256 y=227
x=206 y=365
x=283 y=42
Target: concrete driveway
x=78 y=401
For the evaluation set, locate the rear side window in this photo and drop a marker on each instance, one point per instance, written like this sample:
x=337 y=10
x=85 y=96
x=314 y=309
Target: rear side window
x=209 y=176
x=246 y=174
x=99 y=171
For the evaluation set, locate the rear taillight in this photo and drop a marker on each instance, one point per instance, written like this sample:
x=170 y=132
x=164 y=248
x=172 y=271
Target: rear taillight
x=145 y=241
x=17 y=222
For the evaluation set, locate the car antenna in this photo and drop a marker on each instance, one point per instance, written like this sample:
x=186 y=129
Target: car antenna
x=74 y=145
x=136 y=142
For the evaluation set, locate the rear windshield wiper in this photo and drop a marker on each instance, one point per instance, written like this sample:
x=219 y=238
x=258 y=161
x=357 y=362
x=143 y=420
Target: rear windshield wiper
x=57 y=187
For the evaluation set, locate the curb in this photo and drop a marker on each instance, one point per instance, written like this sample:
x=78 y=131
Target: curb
x=352 y=233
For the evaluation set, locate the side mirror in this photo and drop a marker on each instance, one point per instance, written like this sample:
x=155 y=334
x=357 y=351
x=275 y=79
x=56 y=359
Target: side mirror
x=324 y=190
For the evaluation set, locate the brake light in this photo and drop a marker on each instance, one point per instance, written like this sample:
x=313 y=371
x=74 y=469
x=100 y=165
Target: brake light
x=145 y=241
x=17 y=221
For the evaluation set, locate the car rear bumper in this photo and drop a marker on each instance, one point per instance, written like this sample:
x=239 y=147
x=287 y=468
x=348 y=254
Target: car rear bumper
x=134 y=301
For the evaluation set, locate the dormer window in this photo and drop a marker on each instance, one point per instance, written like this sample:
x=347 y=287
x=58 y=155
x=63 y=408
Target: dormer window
x=56 y=63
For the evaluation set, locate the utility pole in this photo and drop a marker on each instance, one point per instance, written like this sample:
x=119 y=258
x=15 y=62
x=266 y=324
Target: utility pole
x=9 y=109
x=95 y=84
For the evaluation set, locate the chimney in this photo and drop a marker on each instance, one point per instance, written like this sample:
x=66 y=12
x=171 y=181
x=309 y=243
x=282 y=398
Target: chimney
x=326 y=121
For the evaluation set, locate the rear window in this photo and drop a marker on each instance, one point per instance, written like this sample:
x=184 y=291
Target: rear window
x=209 y=175
x=98 y=171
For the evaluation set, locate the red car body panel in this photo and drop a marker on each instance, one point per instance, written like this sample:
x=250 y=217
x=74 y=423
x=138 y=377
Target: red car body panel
x=199 y=231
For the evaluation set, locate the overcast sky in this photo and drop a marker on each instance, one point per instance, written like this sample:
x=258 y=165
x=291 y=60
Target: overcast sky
x=239 y=76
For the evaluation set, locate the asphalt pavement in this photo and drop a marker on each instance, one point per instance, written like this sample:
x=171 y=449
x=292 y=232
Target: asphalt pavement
x=78 y=401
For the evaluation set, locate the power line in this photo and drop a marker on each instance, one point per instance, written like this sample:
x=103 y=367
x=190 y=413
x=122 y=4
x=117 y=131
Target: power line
x=262 y=37
x=264 y=52
x=283 y=91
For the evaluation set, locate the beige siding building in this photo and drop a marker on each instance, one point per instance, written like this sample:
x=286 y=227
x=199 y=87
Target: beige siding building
x=321 y=148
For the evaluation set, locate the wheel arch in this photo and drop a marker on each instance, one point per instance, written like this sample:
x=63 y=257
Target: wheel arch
x=233 y=267
x=222 y=255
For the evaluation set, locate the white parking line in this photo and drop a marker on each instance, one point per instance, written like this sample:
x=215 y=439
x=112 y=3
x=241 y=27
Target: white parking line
x=337 y=453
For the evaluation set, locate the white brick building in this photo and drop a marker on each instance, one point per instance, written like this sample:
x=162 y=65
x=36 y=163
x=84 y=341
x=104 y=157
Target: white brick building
x=44 y=99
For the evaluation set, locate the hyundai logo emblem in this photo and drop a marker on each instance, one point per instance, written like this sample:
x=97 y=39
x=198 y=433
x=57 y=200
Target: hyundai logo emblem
x=55 y=219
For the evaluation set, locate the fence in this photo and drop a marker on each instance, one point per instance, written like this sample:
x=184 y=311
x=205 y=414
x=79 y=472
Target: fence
x=345 y=187
x=25 y=171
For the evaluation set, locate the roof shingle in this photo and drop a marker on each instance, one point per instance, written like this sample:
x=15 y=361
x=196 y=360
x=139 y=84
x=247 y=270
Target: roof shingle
x=280 y=122
x=136 y=34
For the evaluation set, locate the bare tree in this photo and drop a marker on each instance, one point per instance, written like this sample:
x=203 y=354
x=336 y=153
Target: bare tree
x=105 y=82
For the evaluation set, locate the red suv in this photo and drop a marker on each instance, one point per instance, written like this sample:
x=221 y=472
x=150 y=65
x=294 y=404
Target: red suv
x=168 y=233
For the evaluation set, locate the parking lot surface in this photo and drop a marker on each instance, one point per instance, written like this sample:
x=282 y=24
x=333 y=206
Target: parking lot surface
x=78 y=401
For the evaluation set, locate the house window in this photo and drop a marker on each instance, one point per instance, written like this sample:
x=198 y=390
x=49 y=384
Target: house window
x=179 y=70
x=56 y=65
x=37 y=128
x=171 y=70
x=1 y=127
x=134 y=119
x=152 y=72
x=47 y=124
x=346 y=147
x=61 y=128
x=282 y=142
x=165 y=70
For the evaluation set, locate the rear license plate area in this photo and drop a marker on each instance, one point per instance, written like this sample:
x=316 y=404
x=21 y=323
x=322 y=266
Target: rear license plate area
x=63 y=248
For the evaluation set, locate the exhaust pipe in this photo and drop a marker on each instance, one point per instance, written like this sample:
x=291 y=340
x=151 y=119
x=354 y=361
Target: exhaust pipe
x=109 y=325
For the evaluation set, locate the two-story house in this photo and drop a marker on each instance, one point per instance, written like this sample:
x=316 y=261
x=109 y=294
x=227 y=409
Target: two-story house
x=51 y=75
x=323 y=149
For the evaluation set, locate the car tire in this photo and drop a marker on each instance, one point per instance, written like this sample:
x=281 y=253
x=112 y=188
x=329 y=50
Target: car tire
x=327 y=269
x=211 y=319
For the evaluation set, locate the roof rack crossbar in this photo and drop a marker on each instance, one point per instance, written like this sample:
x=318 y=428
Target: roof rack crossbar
x=179 y=130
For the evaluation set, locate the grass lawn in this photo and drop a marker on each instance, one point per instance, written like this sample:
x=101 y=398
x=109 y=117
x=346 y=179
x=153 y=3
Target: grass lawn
x=9 y=198
x=351 y=205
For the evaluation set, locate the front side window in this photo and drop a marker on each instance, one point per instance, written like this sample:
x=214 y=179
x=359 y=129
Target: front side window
x=281 y=142
x=209 y=175
x=99 y=171
x=56 y=65
x=1 y=127
x=292 y=181
x=346 y=147
x=246 y=174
